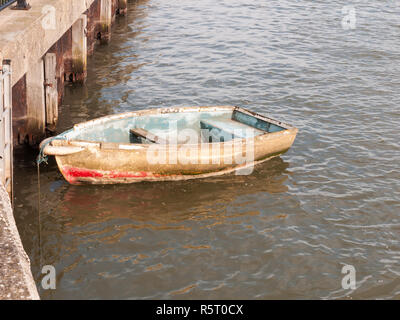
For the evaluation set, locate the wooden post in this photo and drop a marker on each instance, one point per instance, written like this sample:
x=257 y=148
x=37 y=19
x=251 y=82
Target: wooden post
x=122 y=7
x=35 y=102
x=79 y=49
x=6 y=139
x=51 y=92
x=105 y=20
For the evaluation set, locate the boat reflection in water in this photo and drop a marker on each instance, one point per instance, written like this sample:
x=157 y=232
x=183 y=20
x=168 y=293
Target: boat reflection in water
x=170 y=202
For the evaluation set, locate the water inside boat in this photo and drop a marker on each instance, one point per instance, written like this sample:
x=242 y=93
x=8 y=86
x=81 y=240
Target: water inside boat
x=199 y=126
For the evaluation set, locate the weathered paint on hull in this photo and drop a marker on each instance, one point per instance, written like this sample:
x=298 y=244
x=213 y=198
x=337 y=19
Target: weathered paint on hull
x=107 y=163
x=78 y=176
x=98 y=166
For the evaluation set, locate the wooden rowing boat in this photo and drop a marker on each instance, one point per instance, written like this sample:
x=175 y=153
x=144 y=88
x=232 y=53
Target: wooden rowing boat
x=168 y=144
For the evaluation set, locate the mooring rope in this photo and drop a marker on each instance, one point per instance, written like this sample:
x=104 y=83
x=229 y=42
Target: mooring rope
x=39 y=221
x=42 y=157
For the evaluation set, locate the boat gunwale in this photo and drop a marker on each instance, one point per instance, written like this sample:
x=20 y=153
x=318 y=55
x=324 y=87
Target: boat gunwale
x=137 y=146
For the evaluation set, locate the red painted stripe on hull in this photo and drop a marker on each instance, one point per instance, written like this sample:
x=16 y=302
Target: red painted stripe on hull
x=72 y=174
x=78 y=172
x=116 y=174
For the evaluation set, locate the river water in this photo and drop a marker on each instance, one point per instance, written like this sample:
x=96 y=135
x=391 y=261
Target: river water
x=287 y=230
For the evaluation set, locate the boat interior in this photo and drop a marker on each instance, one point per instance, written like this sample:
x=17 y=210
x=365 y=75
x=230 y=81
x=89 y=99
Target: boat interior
x=176 y=127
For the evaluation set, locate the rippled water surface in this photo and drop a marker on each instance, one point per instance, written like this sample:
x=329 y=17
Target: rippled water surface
x=285 y=231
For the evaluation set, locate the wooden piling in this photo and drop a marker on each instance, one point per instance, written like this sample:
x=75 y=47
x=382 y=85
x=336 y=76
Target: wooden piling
x=51 y=92
x=105 y=20
x=122 y=7
x=35 y=102
x=79 y=49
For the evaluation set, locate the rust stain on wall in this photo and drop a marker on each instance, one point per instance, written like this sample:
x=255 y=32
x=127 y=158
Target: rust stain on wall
x=93 y=26
x=19 y=111
x=64 y=67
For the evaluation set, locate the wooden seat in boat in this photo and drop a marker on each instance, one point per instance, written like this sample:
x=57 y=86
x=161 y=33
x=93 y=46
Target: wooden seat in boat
x=140 y=134
x=221 y=130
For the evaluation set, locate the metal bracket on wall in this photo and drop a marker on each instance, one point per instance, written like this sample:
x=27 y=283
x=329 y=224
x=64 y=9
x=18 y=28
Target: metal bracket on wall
x=21 y=5
x=6 y=139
